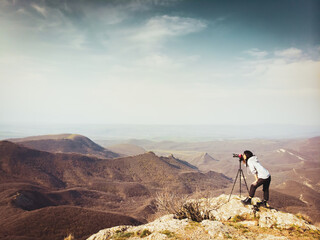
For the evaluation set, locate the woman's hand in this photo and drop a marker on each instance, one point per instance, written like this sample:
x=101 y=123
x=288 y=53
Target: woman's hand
x=256 y=181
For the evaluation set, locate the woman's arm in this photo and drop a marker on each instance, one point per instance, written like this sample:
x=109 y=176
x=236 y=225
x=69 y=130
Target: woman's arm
x=256 y=176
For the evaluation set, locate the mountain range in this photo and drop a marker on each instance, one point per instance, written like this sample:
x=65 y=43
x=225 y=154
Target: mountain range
x=61 y=184
x=52 y=191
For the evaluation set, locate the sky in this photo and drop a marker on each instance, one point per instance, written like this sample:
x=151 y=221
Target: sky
x=160 y=62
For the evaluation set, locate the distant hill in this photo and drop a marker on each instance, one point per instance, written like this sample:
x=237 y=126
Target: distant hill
x=65 y=143
x=127 y=149
x=309 y=148
x=202 y=160
x=305 y=194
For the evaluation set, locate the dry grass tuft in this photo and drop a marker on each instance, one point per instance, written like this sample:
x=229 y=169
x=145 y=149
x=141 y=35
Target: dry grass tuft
x=304 y=217
x=69 y=237
x=144 y=233
x=169 y=234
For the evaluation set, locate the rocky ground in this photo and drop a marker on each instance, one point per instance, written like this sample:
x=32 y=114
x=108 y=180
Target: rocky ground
x=218 y=219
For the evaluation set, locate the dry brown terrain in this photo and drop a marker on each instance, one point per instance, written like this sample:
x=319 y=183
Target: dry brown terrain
x=126 y=149
x=50 y=195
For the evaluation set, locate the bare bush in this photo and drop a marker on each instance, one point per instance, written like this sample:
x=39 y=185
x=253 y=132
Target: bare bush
x=169 y=202
x=182 y=207
x=195 y=211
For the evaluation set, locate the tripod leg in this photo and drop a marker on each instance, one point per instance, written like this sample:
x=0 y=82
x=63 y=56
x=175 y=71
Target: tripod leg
x=240 y=182
x=233 y=185
x=244 y=180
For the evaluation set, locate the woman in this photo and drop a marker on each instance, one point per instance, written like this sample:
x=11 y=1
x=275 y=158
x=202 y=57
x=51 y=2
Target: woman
x=262 y=176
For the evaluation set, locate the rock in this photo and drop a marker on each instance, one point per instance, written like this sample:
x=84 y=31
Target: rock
x=220 y=209
x=217 y=230
x=107 y=233
x=156 y=236
x=248 y=223
x=273 y=218
x=230 y=209
x=165 y=223
x=270 y=237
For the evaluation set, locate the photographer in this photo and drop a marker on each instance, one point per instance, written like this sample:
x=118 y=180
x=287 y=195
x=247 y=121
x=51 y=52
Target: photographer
x=262 y=176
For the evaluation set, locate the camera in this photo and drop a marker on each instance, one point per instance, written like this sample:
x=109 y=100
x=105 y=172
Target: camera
x=240 y=156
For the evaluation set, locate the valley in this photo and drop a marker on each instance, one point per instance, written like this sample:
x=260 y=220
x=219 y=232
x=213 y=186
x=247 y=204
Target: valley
x=55 y=185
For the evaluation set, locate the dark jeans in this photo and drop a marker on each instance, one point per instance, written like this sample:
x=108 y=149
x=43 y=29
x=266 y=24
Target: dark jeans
x=265 y=183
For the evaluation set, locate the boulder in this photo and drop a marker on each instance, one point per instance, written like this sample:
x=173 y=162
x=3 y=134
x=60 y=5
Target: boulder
x=274 y=218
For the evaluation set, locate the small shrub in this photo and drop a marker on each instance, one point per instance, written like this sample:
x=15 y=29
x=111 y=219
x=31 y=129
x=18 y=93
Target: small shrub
x=194 y=211
x=315 y=234
x=127 y=235
x=238 y=226
x=256 y=217
x=296 y=228
x=145 y=233
x=238 y=218
x=122 y=235
x=226 y=235
x=245 y=230
x=304 y=217
x=192 y=226
x=168 y=233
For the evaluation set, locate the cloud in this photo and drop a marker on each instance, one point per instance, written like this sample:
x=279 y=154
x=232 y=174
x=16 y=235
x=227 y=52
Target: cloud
x=286 y=71
x=69 y=24
x=164 y=3
x=160 y=28
x=289 y=53
x=39 y=9
x=119 y=59
x=298 y=76
x=157 y=60
x=256 y=53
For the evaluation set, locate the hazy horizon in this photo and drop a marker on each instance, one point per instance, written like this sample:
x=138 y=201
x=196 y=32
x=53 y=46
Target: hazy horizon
x=155 y=62
x=122 y=132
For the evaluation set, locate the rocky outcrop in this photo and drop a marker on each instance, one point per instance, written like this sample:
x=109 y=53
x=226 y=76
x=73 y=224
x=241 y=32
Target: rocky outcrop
x=225 y=220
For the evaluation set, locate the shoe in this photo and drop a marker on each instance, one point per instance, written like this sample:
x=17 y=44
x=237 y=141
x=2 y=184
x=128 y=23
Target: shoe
x=260 y=204
x=246 y=201
x=264 y=203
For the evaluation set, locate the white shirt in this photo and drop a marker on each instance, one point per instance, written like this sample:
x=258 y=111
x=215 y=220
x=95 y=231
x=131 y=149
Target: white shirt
x=256 y=168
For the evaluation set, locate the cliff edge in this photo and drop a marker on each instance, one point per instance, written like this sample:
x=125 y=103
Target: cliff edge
x=218 y=219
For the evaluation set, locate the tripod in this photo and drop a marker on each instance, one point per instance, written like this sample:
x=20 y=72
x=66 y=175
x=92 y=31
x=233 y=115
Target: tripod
x=241 y=174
